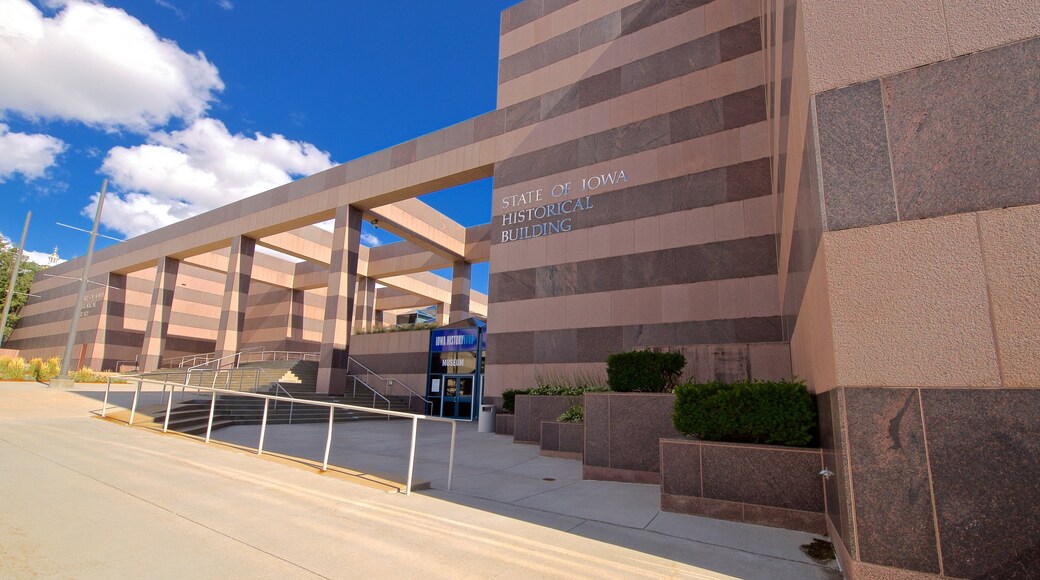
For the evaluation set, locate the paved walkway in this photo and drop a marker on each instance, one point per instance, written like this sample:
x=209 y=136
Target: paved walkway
x=88 y=498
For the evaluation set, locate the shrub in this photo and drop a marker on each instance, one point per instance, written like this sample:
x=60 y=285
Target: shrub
x=509 y=399
x=575 y=414
x=564 y=391
x=12 y=369
x=582 y=380
x=87 y=375
x=772 y=413
x=644 y=371
x=44 y=370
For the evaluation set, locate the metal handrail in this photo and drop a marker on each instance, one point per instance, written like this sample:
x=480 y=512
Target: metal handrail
x=286 y=355
x=182 y=359
x=234 y=355
x=375 y=393
x=389 y=382
x=278 y=386
x=263 y=425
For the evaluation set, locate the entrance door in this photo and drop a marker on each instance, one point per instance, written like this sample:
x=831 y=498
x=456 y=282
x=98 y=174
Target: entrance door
x=458 y=397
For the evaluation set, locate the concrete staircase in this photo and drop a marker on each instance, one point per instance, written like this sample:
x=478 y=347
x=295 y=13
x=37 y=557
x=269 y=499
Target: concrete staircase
x=297 y=379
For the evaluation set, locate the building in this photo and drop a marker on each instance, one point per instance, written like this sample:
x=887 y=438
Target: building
x=842 y=191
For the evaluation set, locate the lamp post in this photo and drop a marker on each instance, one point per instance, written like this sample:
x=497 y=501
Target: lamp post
x=63 y=379
x=14 y=278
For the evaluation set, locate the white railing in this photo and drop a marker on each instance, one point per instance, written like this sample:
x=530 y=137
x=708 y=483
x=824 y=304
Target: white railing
x=277 y=355
x=189 y=360
x=263 y=424
x=374 y=393
x=369 y=374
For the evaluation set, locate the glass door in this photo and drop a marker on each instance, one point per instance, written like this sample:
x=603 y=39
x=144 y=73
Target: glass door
x=457 y=399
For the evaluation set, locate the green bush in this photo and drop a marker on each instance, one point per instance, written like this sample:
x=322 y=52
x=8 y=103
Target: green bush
x=772 y=413
x=564 y=391
x=87 y=375
x=644 y=371
x=575 y=414
x=509 y=399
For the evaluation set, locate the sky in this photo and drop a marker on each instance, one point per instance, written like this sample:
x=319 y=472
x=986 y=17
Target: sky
x=186 y=105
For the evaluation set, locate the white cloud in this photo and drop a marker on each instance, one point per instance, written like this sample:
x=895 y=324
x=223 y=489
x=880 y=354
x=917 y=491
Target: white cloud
x=369 y=240
x=98 y=65
x=183 y=173
x=41 y=258
x=226 y=4
x=27 y=154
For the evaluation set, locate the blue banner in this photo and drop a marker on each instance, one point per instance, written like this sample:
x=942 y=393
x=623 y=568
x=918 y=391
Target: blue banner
x=454 y=339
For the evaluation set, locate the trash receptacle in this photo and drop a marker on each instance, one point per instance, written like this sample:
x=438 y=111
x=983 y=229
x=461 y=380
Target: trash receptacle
x=486 y=421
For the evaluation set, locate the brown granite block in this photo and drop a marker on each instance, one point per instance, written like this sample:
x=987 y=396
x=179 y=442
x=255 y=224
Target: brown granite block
x=964 y=132
x=620 y=475
x=857 y=175
x=599 y=88
x=810 y=522
x=599 y=31
x=763 y=475
x=744 y=108
x=523 y=113
x=680 y=467
x=505 y=424
x=698 y=506
x=555 y=346
x=836 y=486
x=806 y=233
x=550 y=438
x=510 y=348
x=597 y=429
x=642 y=15
x=894 y=518
x=637 y=423
x=558 y=102
x=489 y=125
x=596 y=344
x=514 y=285
x=532 y=410
x=556 y=280
x=572 y=438
x=984 y=447
x=742 y=39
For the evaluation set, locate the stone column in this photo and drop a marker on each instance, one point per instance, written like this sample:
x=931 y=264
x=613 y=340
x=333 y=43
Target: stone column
x=295 y=330
x=442 y=314
x=364 y=303
x=236 y=295
x=339 y=302
x=159 y=313
x=110 y=324
x=460 y=275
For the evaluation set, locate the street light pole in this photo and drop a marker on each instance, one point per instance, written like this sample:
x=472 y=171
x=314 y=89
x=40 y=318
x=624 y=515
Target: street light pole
x=14 y=278
x=64 y=380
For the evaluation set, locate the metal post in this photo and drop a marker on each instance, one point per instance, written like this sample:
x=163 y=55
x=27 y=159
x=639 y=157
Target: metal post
x=169 y=408
x=133 y=407
x=263 y=429
x=14 y=278
x=104 y=406
x=411 y=456
x=328 y=442
x=212 y=410
x=451 y=455
x=66 y=360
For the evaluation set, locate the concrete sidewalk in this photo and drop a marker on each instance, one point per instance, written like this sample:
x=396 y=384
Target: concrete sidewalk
x=90 y=498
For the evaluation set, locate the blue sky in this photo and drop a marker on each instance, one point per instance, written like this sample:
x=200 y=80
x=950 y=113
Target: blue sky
x=185 y=105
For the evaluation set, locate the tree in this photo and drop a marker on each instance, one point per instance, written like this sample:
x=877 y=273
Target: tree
x=8 y=255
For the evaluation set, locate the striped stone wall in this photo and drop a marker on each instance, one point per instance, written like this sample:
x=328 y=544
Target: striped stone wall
x=635 y=209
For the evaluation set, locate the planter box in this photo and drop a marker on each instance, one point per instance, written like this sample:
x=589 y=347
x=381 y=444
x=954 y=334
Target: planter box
x=623 y=433
x=563 y=440
x=504 y=424
x=756 y=484
x=531 y=410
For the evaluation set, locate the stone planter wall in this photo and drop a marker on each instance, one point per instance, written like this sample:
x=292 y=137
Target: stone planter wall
x=564 y=440
x=531 y=410
x=504 y=424
x=757 y=484
x=623 y=433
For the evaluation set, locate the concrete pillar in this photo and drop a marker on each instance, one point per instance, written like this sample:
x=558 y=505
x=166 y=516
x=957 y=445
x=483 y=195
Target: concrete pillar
x=295 y=331
x=364 y=303
x=159 y=313
x=442 y=314
x=339 y=302
x=110 y=324
x=236 y=295
x=460 y=275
